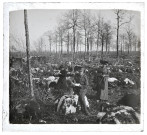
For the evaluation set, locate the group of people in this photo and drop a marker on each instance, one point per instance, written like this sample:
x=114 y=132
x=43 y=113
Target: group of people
x=67 y=85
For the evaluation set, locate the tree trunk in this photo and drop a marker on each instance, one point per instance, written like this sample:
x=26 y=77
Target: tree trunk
x=91 y=44
x=91 y=48
x=128 y=47
x=59 y=48
x=138 y=45
x=88 y=53
x=106 y=45
x=61 y=42
x=97 y=45
x=123 y=44
x=73 y=43
x=28 y=53
x=70 y=51
x=102 y=46
x=45 y=48
x=117 y=40
x=56 y=44
x=68 y=43
x=117 y=36
x=80 y=46
x=77 y=45
x=135 y=46
x=85 y=43
x=121 y=47
x=87 y=46
x=108 y=48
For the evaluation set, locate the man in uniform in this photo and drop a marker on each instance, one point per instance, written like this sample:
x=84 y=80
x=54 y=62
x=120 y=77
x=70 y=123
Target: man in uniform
x=81 y=78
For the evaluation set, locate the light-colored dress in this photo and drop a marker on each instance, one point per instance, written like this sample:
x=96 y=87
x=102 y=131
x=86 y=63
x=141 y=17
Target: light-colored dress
x=104 y=92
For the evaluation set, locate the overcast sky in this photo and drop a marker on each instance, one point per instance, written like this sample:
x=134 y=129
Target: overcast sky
x=42 y=20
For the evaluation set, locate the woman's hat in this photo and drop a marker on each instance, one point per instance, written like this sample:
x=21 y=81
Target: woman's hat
x=77 y=67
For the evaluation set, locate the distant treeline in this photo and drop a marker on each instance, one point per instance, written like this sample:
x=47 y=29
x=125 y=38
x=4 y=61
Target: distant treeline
x=81 y=54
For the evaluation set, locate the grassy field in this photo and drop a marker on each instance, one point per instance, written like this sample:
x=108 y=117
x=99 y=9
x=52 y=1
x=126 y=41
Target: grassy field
x=19 y=91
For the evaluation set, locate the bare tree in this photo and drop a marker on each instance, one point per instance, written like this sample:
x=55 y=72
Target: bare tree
x=56 y=42
x=71 y=42
x=61 y=36
x=102 y=36
x=134 y=41
x=28 y=53
x=39 y=45
x=78 y=39
x=50 y=42
x=97 y=31
x=129 y=32
x=35 y=44
x=49 y=35
x=71 y=22
x=88 y=27
x=90 y=40
x=89 y=35
x=108 y=34
x=120 y=14
x=122 y=42
x=139 y=44
x=16 y=42
x=66 y=39
x=84 y=25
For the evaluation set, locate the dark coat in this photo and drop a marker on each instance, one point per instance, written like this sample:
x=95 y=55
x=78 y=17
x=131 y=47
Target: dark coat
x=83 y=80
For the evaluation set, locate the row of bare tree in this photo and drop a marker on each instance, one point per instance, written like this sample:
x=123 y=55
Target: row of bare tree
x=79 y=30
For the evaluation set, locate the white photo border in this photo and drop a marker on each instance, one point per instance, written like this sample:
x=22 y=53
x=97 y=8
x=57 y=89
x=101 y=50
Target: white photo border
x=67 y=127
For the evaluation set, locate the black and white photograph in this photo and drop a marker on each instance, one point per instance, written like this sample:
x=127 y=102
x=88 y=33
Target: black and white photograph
x=73 y=65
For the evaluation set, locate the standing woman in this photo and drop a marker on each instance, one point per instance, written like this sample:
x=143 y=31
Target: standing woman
x=104 y=90
x=97 y=81
x=103 y=87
